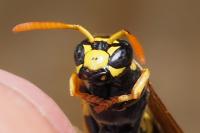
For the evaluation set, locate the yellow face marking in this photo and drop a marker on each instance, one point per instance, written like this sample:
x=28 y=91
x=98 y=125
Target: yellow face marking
x=103 y=39
x=111 y=50
x=96 y=59
x=87 y=48
x=78 y=68
x=133 y=66
x=115 y=71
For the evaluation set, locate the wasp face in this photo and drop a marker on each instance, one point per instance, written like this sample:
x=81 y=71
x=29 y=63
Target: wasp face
x=100 y=62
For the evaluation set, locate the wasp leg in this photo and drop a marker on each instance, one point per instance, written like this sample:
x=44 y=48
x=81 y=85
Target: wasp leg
x=146 y=125
x=137 y=88
x=90 y=124
x=140 y=84
x=75 y=84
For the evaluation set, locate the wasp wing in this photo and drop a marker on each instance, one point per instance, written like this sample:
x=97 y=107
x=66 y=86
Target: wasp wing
x=161 y=114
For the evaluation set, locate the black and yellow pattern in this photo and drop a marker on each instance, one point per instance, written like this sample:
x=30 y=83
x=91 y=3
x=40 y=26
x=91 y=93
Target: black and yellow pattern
x=111 y=59
x=108 y=75
x=109 y=70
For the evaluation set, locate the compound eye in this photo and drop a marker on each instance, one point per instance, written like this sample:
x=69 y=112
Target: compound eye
x=122 y=57
x=79 y=55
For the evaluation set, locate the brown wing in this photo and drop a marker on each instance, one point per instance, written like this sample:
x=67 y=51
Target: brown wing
x=161 y=114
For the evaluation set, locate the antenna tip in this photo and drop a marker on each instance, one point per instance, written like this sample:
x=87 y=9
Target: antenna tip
x=19 y=28
x=14 y=29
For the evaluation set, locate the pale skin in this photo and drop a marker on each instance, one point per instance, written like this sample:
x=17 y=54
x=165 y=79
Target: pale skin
x=26 y=109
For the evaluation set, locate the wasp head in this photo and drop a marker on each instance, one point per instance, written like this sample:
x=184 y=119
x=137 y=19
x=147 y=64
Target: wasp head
x=100 y=62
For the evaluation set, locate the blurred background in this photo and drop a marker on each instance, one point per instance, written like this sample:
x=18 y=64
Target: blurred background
x=168 y=30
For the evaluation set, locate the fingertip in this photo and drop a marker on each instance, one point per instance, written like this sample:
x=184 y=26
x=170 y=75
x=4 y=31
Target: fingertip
x=25 y=108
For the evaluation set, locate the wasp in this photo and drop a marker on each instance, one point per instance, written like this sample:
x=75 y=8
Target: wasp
x=113 y=83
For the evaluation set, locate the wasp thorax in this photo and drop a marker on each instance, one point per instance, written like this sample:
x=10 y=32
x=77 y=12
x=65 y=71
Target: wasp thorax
x=101 y=61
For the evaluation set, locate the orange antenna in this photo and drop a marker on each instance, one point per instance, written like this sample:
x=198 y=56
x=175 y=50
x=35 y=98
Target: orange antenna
x=138 y=50
x=51 y=25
